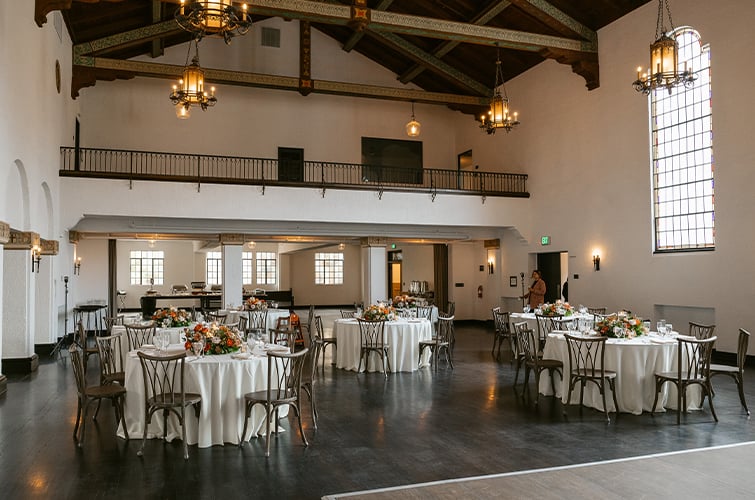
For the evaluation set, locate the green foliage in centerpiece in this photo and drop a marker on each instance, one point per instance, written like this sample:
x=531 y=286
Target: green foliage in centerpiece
x=218 y=339
x=171 y=317
x=559 y=308
x=620 y=325
x=255 y=304
x=379 y=312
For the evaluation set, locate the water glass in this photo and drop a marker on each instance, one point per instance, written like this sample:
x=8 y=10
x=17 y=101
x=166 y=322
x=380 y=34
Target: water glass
x=197 y=348
x=669 y=328
x=661 y=327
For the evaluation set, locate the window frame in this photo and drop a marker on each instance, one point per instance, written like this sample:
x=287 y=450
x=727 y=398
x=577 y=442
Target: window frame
x=214 y=265
x=266 y=267
x=682 y=166
x=329 y=268
x=150 y=264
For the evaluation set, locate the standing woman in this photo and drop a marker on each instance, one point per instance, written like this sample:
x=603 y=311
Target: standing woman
x=536 y=294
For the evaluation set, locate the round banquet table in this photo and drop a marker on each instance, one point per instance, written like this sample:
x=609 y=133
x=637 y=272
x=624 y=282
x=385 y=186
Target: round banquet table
x=222 y=382
x=635 y=361
x=402 y=335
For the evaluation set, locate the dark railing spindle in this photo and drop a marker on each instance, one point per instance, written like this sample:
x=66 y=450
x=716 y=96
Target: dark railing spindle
x=176 y=167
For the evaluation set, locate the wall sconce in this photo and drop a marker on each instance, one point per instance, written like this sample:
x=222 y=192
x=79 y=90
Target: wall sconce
x=36 y=257
x=341 y=246
x=251 y=245
x=596 y=261
x=491 y=266
x=77 y=266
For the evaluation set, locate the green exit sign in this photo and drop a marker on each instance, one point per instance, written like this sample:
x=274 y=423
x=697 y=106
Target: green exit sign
x=545 y=240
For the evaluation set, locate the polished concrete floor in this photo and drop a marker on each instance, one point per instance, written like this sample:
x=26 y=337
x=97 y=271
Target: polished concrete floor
x=372 y=433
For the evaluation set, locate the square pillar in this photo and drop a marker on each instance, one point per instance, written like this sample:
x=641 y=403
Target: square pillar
x=4 y=237
x=231 y=247
x=374 y=270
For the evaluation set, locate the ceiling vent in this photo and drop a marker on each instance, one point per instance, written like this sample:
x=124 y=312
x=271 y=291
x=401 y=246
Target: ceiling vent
x=271 y=37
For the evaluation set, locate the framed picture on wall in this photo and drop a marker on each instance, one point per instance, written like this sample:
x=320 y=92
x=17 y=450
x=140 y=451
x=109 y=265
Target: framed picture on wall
x=512 y=280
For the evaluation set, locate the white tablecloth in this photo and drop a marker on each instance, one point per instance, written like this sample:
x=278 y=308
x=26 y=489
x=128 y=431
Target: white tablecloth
x=403 y=336
x=222 y=382
x=635 y=361
x=531 y=320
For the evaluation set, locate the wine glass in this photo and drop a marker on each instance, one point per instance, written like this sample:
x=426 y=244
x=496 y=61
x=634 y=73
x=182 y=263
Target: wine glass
x=526 y=309
x=669 y=328
x=197 y=348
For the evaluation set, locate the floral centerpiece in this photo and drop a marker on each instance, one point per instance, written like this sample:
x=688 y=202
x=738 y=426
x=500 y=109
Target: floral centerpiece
x=404 y=301
x=218 y=339
x=255 y=304
x=171 y=317
x=379 y=313
x=620 y=325
x=559 y=308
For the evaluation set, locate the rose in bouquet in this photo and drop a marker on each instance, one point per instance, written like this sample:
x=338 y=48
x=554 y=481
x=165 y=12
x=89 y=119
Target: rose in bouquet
x=171 y=317
x=404 y=301
x=217 y=339
x=559 y=308
x=379 y=313
x=620 y=325
x=255 y=304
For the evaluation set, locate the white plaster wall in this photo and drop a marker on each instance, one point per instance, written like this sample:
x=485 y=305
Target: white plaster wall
x=302 y=267
x=417 y=264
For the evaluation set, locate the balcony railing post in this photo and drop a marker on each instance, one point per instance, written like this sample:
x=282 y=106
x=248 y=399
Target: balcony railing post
x=110 y=163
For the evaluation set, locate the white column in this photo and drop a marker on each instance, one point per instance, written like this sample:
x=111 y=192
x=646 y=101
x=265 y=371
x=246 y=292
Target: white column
x=45 y=321
x=232 y=282
x=18 y=304
x=4 y=236
x=374 y=270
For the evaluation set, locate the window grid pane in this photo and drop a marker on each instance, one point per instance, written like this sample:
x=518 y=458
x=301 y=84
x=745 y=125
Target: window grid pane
x=145 y=266
x=328 y=268
x=681 y=141
x=266 y=268
x=246 y=268
x=214 y=267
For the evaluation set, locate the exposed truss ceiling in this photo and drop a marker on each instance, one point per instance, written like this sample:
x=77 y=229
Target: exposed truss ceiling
x=445 y=47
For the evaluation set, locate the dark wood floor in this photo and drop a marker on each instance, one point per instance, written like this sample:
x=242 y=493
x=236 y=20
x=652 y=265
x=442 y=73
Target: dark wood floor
x=411 y=428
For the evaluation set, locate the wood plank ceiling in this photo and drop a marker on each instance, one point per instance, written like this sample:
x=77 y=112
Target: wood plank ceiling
x=447 y=48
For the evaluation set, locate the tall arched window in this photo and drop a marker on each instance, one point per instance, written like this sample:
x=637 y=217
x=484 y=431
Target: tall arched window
x=682 y=155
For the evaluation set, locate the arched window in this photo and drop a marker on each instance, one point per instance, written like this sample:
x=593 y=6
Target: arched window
x=682 y=155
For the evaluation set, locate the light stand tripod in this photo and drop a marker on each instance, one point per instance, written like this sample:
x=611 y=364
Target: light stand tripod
x=521 y=278
x=62 y=341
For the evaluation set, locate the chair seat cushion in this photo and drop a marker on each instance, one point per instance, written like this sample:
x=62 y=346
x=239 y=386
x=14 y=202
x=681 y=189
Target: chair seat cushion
x=105 y=391
x=675 y=376
x=261 y=396
x=596 y=375
x=550 y=363
x=723 y=368
x=167 y=399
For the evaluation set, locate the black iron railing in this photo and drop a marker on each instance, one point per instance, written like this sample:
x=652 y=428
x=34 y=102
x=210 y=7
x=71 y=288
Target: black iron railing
x=206 y=169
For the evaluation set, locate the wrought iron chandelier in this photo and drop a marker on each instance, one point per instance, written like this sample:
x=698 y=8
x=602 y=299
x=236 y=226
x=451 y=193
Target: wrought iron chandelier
x=499 y=115
x=663 y=71
x=413 y=127
x=190 y=89
x=213 y=18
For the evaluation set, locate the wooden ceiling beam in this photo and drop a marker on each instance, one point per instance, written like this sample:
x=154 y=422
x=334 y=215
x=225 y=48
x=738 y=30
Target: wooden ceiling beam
x=119 y=68
x=382 y=21
x=351 y=42
x=431 y=62
x=158 y=46
x=556 y=19
x=482 y=18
